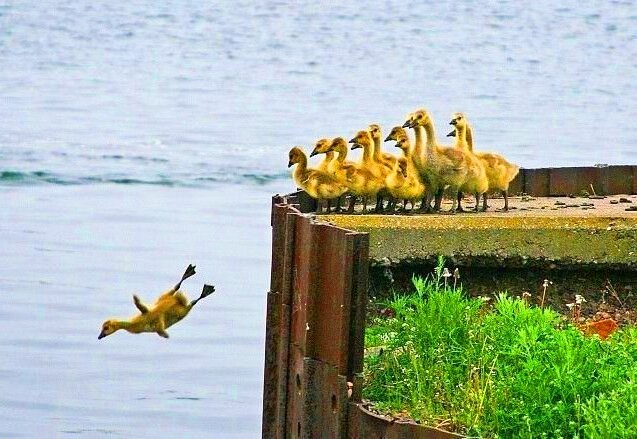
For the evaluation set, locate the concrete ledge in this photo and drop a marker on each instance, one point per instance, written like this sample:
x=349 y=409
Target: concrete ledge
x=603 y=236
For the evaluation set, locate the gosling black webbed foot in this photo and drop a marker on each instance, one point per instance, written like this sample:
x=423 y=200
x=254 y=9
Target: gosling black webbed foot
x=190 y=271
x=205 y=292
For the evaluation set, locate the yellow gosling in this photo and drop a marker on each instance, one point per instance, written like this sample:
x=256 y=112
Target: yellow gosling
x=425 y=170
x=170 y=308
x=404 y=182
x=396 y=133
x=322 y=147
x=319 y=185
x=338 y=167
x=500 y=172
x=369 y=177
x=402 y=141
x=478 y=183
x=452 y=167
x=345 y=171
x=342 y=168
x=385 y=158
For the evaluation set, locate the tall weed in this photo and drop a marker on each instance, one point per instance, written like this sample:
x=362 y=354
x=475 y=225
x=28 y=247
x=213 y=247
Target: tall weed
x=508 y=371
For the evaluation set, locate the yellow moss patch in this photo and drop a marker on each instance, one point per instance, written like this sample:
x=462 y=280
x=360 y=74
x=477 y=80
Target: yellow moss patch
x=577 y=239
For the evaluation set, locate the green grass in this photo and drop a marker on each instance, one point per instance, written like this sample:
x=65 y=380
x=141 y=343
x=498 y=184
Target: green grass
x=500 y=370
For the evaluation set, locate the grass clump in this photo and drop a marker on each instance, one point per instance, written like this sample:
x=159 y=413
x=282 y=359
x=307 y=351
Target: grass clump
x=505 y=369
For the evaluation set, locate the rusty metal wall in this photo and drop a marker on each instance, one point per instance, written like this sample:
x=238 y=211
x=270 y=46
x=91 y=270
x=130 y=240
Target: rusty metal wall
x=364 y=424
x=315 y=325
x=277 y=321
x=551 y=182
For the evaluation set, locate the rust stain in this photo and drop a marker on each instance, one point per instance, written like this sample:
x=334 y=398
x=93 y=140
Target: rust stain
x=603 y=328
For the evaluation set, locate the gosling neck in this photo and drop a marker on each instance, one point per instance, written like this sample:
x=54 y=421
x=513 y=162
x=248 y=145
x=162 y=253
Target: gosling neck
x=469 y=136
x=417 y=151
x=329 y=156
x=301 y=166
x=342 y=153
x=431 y=138
x=406 y=149
x=367 y=152
x=123 y=324
x=461 y=137
x=377 y=150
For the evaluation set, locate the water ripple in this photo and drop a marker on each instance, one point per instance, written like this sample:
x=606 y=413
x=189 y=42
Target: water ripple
x=229 y=176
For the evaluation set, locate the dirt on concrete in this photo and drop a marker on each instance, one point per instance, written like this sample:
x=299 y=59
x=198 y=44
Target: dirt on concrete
x=524 y=205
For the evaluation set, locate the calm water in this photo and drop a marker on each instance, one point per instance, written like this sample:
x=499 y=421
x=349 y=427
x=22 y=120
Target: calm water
x=136 y=138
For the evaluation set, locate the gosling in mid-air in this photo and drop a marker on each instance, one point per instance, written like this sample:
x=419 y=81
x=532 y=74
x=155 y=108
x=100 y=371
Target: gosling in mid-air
x=171 y=307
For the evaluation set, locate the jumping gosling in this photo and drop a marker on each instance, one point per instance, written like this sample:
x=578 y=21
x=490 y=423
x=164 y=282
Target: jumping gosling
x=170 y=308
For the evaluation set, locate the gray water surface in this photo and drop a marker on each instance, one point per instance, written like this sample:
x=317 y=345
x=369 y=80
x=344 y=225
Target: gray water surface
x=188 y=92
x=73 y=256
x=137 y=137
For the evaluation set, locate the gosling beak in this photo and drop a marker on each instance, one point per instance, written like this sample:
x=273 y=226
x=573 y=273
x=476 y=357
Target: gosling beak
x=101 y=336
x=407 y=124
x=453 y=122
x=452 y=134
x=313 y=153
x=290 y=164
x=397 y=145
x=354 y=144
x=388 y=138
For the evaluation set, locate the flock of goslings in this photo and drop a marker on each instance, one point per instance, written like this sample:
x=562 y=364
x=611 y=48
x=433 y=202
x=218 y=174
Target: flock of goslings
x=423 y=172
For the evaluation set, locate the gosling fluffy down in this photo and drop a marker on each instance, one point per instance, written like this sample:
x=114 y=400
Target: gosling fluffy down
x=500 y=172
x=170 y=308
x=319 y=185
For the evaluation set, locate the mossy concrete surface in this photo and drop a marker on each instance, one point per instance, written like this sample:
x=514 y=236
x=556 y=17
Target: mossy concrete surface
x=543 y=239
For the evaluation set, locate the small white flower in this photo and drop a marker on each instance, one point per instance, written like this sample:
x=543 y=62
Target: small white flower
x=446 y=273
x=579 y=299
x=456 y=273
x=570 y=305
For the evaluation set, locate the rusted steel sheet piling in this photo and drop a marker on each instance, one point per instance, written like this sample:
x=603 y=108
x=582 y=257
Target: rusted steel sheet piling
x=315 y=325
x=365 y=424
x=315 y=333
x=596 y=180
x=318 y=293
